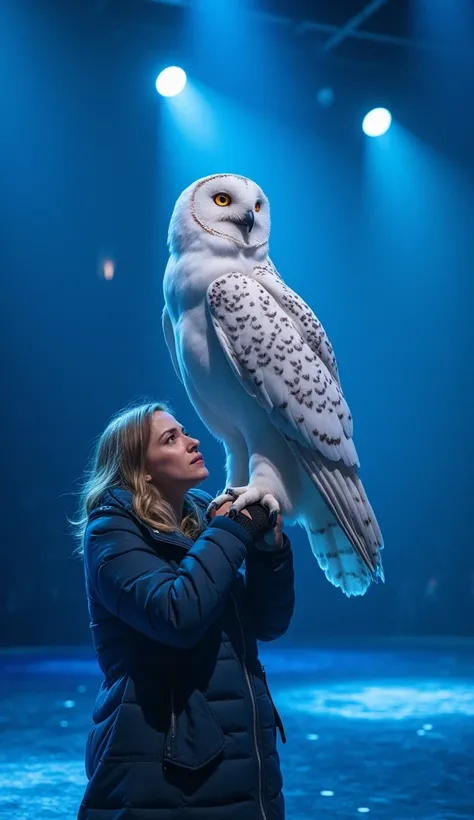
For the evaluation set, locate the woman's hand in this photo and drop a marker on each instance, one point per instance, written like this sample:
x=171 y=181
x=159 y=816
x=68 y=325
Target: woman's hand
x=272 y=540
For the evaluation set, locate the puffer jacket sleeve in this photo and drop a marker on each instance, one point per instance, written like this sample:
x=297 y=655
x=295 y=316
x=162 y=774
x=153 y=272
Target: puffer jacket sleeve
x=270 y=586
x=132 y=582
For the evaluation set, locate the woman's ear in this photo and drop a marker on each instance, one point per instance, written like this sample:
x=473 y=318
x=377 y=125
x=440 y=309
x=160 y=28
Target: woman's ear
x=148 y=478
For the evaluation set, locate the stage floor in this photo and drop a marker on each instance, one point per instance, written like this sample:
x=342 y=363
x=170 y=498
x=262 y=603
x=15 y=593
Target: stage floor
x=385 y=731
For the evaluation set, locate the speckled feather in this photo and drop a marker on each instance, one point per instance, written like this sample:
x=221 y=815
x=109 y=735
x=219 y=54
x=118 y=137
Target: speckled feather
x=301 y=315
x=287 y=377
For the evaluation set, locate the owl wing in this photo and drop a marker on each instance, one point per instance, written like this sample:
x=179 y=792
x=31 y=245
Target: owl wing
x=168 y=332
x=276 y=365
x=300 y=313
x=279 y=368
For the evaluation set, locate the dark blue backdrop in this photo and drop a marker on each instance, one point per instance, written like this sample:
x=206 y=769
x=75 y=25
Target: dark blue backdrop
x=375 y=235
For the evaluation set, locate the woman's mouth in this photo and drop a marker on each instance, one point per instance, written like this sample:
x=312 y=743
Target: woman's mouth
x=198 y=460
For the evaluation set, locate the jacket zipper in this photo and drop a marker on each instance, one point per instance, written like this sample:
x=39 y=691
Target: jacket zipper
x=173 y=715
x=157 y=536
x=254 y=711
x=278 y=719
x=172 y=729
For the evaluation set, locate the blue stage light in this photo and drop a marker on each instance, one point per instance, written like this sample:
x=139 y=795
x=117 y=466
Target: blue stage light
x=376 y=122
x=171 y=81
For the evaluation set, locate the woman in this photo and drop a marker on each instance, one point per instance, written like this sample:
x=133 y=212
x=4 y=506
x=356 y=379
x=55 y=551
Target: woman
x=184 y=725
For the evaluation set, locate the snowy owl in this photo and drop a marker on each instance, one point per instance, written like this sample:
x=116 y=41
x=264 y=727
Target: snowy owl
x=261 y=373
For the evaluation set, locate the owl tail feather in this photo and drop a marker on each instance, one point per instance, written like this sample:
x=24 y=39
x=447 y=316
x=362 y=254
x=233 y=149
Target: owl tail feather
x=344 y=535
x=337 y=558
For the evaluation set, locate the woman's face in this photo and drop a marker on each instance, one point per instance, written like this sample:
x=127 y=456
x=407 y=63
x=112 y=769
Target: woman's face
x=173 y=460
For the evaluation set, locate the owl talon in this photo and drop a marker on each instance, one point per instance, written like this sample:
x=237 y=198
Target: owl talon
x=274 y=518
x=210 y=510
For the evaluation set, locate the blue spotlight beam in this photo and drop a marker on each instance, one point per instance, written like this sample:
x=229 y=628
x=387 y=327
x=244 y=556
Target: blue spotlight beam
x=353 y=24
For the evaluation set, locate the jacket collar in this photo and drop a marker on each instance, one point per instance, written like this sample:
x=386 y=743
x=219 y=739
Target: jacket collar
x=122 y=498
x=119 y=497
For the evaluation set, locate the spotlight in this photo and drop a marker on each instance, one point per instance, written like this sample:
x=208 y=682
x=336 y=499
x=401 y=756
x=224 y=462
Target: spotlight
x=171 y=81
x=376 y=122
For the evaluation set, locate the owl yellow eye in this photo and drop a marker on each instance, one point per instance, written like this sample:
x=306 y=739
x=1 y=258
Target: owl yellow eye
x=222 y=199
x=257 y=206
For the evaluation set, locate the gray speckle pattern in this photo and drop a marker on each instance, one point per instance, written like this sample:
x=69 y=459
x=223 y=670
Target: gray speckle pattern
x=265 y=343
x=310 y=327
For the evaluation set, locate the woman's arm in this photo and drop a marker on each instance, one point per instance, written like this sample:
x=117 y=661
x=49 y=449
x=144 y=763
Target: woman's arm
x=270 y=589
x=269 y=576
x=132 y=582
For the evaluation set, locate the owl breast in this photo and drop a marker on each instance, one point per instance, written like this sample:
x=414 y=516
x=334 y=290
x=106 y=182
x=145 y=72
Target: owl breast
x=204 y=366
x=187 y=279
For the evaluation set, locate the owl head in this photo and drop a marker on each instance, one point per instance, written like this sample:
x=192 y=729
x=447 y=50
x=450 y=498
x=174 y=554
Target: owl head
x=224 y=210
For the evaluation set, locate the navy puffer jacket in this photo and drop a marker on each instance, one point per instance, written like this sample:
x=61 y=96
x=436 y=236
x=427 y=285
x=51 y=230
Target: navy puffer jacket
x=184 y=725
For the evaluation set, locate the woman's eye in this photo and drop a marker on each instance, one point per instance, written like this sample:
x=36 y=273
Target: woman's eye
x=173 y=436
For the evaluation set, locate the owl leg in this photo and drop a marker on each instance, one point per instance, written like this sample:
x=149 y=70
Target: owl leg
x=229 y=494
x=243 y=496
x=237 y=462
x=265 y=486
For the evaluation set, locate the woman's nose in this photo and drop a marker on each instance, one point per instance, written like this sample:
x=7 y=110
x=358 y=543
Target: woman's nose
x=195 y=443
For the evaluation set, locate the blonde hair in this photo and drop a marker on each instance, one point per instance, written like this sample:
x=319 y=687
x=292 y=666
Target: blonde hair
x=119 y=461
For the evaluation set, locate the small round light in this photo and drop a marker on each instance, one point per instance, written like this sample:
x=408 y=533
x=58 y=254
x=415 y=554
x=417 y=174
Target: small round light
x=109 y=269
x=171 y=81
x=377 y=122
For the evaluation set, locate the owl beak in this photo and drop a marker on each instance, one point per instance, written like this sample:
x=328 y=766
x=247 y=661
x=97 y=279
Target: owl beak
x=249 y=220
